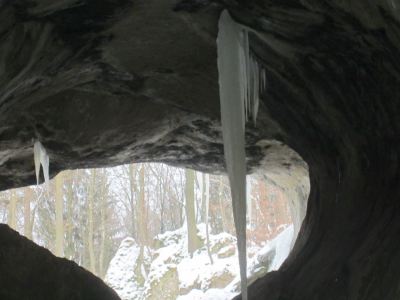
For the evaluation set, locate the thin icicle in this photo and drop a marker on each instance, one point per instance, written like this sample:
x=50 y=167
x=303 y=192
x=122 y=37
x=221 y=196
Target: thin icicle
x=41 y=158
x=36 y=158
x=241 y=82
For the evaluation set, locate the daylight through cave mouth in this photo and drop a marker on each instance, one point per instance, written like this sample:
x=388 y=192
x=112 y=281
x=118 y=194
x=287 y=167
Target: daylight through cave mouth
x=133 y=223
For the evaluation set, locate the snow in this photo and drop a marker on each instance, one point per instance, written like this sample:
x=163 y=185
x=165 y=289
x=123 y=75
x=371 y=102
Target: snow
x=212 y=294
x=41 y=158
x=198 y=278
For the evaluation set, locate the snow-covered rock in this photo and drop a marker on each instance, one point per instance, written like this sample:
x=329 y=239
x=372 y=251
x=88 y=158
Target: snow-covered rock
x=267 y=259
x=175 y=275
x=123 y=274
x=162 y=283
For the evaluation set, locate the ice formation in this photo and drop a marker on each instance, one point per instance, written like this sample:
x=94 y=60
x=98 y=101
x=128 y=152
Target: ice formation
x=41 y=158
x=241 y=81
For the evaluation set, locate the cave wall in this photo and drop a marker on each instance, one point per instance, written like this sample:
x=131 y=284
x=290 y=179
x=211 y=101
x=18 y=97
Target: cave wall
x=28 y=271
x=101 y=83
x=333 y=86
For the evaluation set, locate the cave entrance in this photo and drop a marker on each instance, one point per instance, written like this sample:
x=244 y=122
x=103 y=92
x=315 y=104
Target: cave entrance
x=128 y=225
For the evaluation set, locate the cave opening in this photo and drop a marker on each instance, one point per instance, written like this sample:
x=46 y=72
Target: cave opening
x=129 y=224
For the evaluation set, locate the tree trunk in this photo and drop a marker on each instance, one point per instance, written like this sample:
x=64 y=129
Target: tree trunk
x=132 y=197
x=162 y=192
x=92 y=259
x=141 y=212
x=193 y=239
x=206 y=184
x=12 y=210
x=27 y=212
x=59 y=204
x=69 y=221
x=203 y=196
x=220 y=203
x=103 y=208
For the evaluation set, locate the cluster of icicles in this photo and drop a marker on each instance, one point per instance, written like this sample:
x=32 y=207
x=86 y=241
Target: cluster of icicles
x=241 y=82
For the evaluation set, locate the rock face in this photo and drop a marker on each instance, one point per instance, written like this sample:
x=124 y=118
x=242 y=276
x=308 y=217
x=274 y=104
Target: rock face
x=333 y=77
x=28 y=271
x=106 y=82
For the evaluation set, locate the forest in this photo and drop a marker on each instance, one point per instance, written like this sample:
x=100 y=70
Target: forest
x=84 y=215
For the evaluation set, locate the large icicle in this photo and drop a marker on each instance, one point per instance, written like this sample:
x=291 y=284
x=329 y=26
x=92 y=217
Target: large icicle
x=241 y=81
x=232 y=93
x=41 y=158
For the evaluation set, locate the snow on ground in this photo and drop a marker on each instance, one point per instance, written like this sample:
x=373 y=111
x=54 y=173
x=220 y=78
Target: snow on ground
x=193 y=278
x=214 y=294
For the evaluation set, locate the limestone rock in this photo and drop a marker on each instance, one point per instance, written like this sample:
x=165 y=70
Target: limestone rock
x=227 y=251
x=163 y=283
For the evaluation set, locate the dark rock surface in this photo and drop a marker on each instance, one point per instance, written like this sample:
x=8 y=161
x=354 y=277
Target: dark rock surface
x=101 y=83
x=334 y=86
x=107 y=82
x=29 y=272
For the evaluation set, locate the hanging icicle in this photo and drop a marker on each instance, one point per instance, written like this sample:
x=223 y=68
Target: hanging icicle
x=41 y=158
x=241 y=81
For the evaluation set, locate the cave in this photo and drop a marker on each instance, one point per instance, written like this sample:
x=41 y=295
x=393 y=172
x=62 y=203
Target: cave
x=101 y=83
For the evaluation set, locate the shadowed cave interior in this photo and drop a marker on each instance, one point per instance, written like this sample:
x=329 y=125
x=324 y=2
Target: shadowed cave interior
x=102 y=83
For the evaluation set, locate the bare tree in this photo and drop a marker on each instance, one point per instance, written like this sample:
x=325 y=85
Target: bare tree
x=12 y=210
x=193 y=239
x=206 y=194
x=59 y=204
x=91 y=196
x=28 y=197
